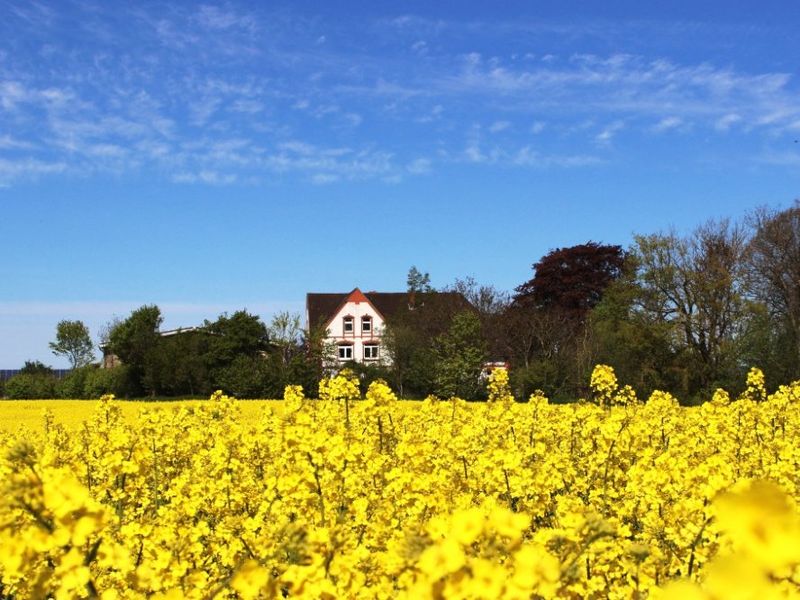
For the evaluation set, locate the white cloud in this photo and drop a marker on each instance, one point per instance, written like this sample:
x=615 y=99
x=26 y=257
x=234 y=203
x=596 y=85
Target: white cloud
x=207 y=177
x=527 y=157
x=12 y=170
x=249 y=107
x=419 y=166
x=202 y=109
x=537 y=127
x=215 y=18
x=8 y=142
x=473 y=153
x=324 y=178
x=608 y=132
x=667 y=123
x=499 y=126
x=725 y=122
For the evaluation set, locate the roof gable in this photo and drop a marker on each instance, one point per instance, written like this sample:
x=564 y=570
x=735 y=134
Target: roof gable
x=322 y=308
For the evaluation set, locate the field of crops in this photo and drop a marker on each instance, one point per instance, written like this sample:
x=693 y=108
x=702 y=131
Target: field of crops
x=377 y=498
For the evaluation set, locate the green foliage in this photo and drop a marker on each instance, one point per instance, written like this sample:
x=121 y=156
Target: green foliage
x=135 y=341
x=74 y=384
x=234 y=335
x=245 y=377
x=541 y=375
x=30 y=386
x=35 y=367
x=418 y=282
x=366 y=373
x=98 y=382
x=182 y=364
x=73 y=342
x=460 y=354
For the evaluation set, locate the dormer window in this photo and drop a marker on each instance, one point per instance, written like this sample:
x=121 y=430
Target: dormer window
x=366 y=324
x=348 y=324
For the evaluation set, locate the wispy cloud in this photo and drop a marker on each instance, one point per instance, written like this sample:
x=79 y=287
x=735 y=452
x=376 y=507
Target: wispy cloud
x=725 y=122
x=26 y=169
x=220 y=94
x=608 y=132
x=499 y=126
x=667 y=124
x=419 y=166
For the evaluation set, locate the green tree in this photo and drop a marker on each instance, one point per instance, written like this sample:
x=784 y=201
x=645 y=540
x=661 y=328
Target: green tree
x=418 y=282
x=637 y=344
x=35 y=367
x=773 y=268
x=460 y=354
x=35 y=380
x=135 y=341
x=695 y=284
x=73 y=342
x=232 y=336
x=181 y=364
x=408 y=340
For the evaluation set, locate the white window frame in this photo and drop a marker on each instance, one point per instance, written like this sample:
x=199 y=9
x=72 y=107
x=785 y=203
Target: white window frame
x=366 y=321
x=348 y=349
x=370 y=349
x=351 y=321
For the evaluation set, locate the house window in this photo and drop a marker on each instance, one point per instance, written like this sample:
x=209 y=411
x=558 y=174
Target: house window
x=366 y=324
x=346 y=352
x=348 y=324
x=370 y=351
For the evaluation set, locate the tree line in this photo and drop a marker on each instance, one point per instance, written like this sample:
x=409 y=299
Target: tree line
x=681 y=313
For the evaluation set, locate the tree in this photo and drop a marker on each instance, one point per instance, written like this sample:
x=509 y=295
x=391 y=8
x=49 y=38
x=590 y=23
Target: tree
x=639 y=345
x=236 y=334
x=572 y=279
x=545 y=324
x=35 y=367
x=135 y=341
x=34 y=380
x=230 y=337
x=773 y=266
x=460 y=354
x=418 y=282
x=73 y=341
x=490 y=305
x=695 y=283
x=409 y=335
x=284 y=332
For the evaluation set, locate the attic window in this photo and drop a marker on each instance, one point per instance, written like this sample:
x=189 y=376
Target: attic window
x=366 y=324
x=348 y=324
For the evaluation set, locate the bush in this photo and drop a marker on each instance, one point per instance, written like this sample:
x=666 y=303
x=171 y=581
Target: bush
x=98 y=382
x=74 y=384
x=245 y=377
x=28 y=386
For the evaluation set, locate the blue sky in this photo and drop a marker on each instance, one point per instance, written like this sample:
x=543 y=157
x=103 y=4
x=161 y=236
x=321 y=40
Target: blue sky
x=210 y=157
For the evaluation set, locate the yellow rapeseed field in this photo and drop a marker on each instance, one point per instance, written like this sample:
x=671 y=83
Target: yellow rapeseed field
x=28 y=414
x=344 y=497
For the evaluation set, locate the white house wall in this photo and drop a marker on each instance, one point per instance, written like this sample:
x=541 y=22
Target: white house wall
x=357 y=338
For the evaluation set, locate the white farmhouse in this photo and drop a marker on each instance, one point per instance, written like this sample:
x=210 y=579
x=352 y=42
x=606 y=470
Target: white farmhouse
x=354 y=322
